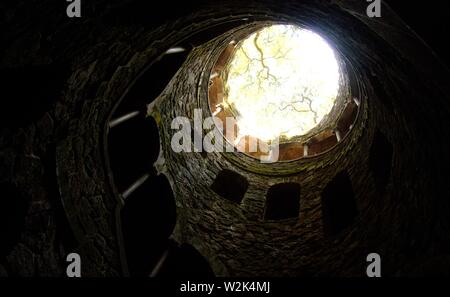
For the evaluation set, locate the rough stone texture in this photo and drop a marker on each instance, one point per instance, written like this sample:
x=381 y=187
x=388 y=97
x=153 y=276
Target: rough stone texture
x=234 y=236
x=102 y=53
x=238 y=242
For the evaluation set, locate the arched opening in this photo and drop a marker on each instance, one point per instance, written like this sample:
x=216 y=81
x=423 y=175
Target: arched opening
x=230 y=185
x=338 y=204
x=148 y=219
x=133 y=148
x=283 y=202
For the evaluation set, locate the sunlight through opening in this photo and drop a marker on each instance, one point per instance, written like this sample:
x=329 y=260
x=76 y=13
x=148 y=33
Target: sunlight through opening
x=281 y=81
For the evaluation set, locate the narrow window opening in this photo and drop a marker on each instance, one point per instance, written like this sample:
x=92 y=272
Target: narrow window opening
x=133 y=148
x=338 y=204
x=230 y=185
x=283 y=202
x=151 y=83
x=148 y=219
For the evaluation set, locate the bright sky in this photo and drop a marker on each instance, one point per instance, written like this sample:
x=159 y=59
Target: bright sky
x=282 y=80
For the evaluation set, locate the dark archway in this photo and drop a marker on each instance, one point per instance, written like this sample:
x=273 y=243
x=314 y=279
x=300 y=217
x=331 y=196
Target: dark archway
x=283 y=202
x=338 y=204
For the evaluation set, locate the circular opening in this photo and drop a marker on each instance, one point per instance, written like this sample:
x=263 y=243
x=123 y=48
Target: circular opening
x=280 y=93
x=281 y=82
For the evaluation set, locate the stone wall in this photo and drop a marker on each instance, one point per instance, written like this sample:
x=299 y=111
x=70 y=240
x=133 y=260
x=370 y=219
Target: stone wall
x=54 y=154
